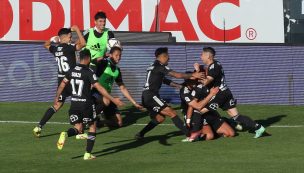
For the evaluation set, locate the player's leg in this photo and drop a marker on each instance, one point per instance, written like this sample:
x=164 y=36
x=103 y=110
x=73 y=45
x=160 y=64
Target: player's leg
x=219 y=125
x=246 y=121
x=155 y=120
x=207 y=132
x=195 y=127
x=168 y=111
x=90 y=118
x=76 y=121
x=48 y=115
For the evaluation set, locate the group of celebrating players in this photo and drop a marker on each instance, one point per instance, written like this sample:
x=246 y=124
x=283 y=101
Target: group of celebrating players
x=89 y=83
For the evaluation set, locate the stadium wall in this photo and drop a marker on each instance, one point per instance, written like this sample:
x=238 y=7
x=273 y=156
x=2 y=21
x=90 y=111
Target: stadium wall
x=256 y=74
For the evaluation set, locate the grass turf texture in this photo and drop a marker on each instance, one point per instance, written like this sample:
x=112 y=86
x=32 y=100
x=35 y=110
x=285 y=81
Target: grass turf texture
x=160 y=151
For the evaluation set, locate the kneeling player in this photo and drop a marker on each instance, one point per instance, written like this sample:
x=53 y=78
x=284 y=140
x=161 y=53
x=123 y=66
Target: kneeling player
x=201 y=124
x=82 y=109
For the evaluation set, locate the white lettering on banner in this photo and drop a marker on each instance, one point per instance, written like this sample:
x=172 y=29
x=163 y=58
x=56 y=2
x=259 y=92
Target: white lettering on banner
x=20 y=73
x=193 y=21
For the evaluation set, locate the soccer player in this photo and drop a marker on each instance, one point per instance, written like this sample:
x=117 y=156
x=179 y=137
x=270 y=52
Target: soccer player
x=65 y=56
x=151 y=100
x=97 y=39
x=224 y=98
x=194 y=98
x=82 y=110
x=108 y=73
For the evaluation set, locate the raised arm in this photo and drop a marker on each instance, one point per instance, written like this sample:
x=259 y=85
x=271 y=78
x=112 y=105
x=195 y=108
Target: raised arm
x=81 y=41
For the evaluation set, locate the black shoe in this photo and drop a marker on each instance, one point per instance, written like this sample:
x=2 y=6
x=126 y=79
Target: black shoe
x=138 y=136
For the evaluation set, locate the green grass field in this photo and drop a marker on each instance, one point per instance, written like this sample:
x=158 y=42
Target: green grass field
x=161 y=151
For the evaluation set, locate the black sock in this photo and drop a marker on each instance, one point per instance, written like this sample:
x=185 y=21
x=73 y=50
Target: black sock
x=179 y=124
x=47 y=116
x=247 y=121
x=90 y=141
x=72 y=132
x=148 y=127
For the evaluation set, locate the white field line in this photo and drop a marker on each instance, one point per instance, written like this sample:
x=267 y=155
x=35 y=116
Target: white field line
x=33 y=122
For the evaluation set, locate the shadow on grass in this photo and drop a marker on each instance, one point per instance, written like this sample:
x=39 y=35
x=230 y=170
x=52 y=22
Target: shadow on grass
x=271 y=120
x=133 y=143
x=48 y=135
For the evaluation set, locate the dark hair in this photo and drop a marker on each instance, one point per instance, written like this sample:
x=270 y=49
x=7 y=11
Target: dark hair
x=85 y=53
x=100 y=14
x=160 y=50
x=210 y=50
x=63 y=31
x=190 y=81
x=115 y=48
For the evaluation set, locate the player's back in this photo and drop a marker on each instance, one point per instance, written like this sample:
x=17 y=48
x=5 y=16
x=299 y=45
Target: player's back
x=65 y=57
x=216 y=71
x=81 y=78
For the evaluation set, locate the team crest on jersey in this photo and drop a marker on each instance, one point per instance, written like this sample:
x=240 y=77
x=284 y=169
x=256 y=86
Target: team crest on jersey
x=186 y=90
x=167 y=67
x=94 y=77
x=73 y=118
x=214 y=106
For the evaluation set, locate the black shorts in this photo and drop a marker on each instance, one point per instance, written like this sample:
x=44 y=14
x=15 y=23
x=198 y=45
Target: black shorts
x=110 y=111
x=86 y=115
x=196 y=121
x=213 y=118
x=223 y=99
x=153 y=103
x=67 y=91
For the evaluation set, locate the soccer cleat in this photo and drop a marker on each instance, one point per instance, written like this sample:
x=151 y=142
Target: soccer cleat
x=61 y=140
x=259 y=132
x=82 y=136
x=138 y=136
x=37 y=132
x=88 y=156
x=188 y=140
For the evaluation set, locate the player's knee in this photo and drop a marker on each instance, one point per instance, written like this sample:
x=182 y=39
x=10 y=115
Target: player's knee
x=57 y=105
x=209 y=136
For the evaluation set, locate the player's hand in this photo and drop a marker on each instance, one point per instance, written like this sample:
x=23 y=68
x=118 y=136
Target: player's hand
x=55 y=39
x=196 y=66
x=199 y=75
x=118 y=102
x=74 y=28
x=214 y=91
x=139 y=107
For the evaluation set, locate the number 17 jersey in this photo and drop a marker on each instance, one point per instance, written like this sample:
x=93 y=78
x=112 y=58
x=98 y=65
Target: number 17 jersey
x=81 y=78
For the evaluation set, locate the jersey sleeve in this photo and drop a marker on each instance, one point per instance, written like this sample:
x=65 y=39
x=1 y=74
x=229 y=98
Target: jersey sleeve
x=167 y=81
x=213 y=71
x=92 y=77
x=86 y=35
x=119 y=80
x=52 y=49
x=67 y=76
x=201 y=92
x=164 y=69
x=186 y=95
x=111 y=34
